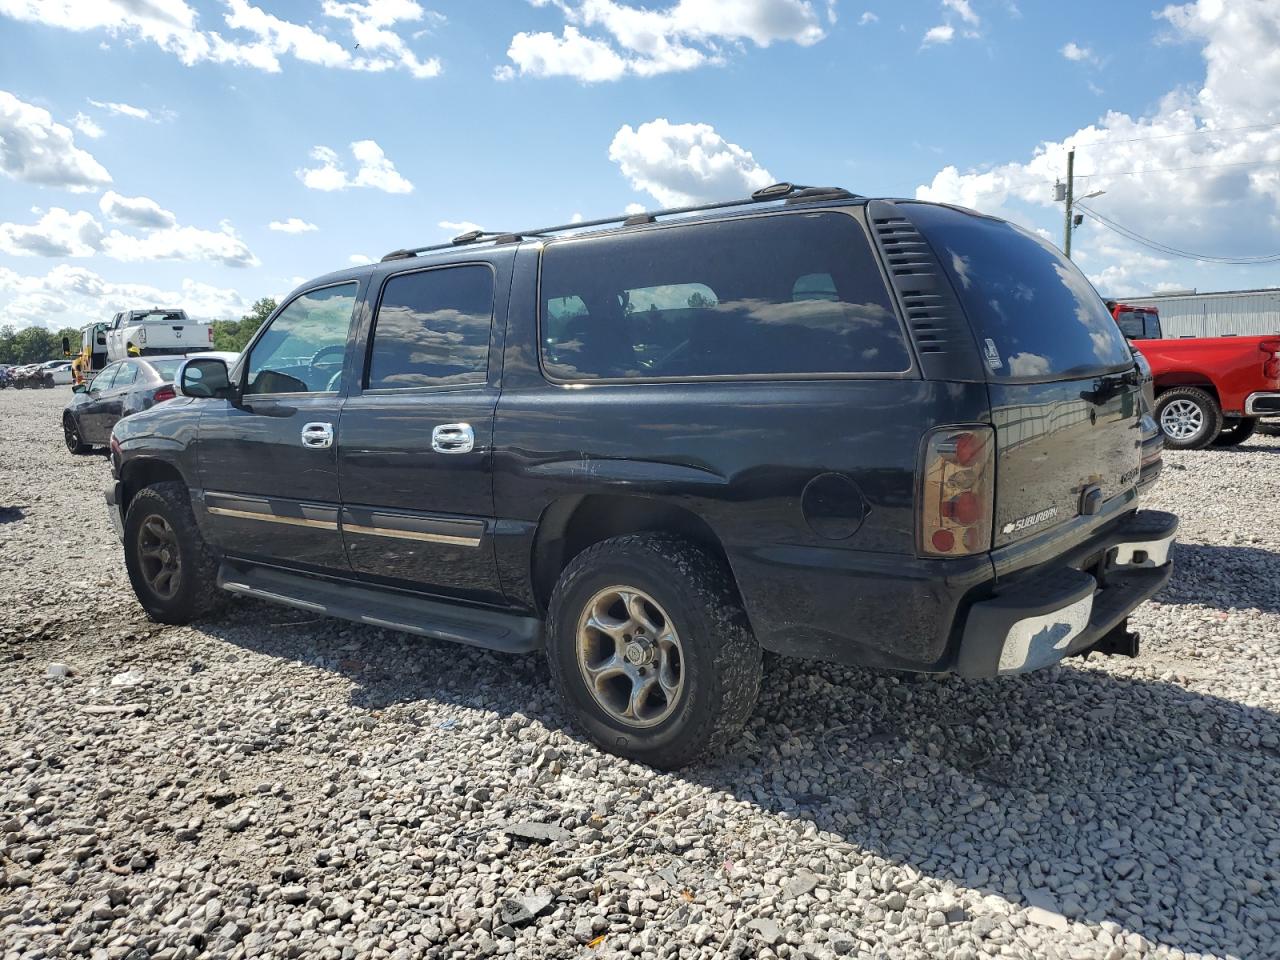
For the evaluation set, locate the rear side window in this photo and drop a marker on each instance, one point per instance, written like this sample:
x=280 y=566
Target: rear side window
x=1035 y=315
x=778 y=295
x=166 y=369
x=432 y=329
x=125 y=376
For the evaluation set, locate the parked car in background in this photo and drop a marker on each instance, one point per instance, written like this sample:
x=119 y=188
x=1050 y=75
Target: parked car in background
x=121 y=389
x=59 y=370
x=1207 y=390
x=807 y=422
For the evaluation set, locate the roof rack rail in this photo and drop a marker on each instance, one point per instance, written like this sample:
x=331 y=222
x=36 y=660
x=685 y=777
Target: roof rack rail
x=792 y=193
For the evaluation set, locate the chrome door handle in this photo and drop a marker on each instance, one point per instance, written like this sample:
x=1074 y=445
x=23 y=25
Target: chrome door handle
x=453 y=438
x=317 y=435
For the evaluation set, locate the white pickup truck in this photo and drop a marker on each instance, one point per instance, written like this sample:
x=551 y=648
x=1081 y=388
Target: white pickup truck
x=134 y=333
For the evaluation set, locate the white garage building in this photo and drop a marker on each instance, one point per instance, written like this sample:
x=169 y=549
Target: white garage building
x=1192 y=314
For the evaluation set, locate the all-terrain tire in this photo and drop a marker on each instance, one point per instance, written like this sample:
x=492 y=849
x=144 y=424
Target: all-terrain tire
x=1189 y=417
x=195 y=593
x=720 y=661
x=1236 y=431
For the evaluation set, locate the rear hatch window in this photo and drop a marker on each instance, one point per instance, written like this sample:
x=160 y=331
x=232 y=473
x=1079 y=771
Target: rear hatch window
x=1035 y=315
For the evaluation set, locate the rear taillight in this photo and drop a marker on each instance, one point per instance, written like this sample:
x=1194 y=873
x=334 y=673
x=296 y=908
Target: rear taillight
x=165 y=393
x=957 y=491
x=211 y=334
x=1271 y=369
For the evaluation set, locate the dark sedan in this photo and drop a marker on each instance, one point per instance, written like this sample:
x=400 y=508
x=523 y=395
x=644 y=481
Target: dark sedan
x=120 y=389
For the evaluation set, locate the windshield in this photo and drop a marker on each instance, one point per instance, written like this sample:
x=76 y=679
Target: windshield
x=1035 y=315
x=167 y=369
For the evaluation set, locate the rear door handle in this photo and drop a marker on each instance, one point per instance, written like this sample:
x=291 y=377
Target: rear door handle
x=317 y=435
x=453 y=438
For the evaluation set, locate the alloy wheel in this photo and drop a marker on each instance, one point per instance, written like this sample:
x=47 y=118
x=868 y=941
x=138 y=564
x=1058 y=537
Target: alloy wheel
x=158 y=556
x=1182 y=419
x=630 y=657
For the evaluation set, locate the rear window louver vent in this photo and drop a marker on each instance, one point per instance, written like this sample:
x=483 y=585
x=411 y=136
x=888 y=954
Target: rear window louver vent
x=938 y=328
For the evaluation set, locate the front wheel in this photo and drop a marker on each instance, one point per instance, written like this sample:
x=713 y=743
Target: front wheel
x=651 y=650
x=1236 y=432
x=172 y=569
x=71 y=436
x=1189 y=417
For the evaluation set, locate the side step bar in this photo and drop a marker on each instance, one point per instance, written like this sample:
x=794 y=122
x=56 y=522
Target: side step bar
x=476 y=627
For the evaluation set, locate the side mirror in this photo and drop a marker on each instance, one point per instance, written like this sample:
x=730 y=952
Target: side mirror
x=66 y=346
x=79 y=388
x=203 y=377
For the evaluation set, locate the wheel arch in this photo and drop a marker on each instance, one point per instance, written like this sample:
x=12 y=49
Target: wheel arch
x=1187 y=378
x=143 y=472
x=572 y=524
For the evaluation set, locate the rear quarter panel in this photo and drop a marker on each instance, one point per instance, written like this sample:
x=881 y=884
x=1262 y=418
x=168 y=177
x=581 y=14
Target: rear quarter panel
x=1232 y=365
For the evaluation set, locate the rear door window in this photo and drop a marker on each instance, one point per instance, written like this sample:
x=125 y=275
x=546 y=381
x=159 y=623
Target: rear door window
x=432 y=329
x=796 y=294
x=1035 y=315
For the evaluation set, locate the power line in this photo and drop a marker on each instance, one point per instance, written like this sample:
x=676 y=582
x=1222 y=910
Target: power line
x=1169 y=250
x=1201 y=166
x=1172 y=136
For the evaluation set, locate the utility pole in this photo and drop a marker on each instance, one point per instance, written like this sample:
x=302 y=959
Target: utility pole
x=1071 y=183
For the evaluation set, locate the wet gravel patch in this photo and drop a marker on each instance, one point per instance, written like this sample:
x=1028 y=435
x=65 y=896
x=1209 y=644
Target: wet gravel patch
x=265 y=784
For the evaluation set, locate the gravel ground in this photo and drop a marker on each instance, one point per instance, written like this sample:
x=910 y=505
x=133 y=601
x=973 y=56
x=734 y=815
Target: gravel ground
x=268 y=785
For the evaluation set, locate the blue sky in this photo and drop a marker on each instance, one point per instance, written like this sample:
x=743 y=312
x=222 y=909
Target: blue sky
x=145 y=149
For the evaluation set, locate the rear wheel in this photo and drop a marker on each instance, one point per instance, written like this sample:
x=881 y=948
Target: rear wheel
x=71 y=435
x=1236 y=432
x=172 y=569
x=1189 y=417
x=650 y=648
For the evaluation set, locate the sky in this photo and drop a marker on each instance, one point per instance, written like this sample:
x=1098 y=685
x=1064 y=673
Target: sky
x=205 y=153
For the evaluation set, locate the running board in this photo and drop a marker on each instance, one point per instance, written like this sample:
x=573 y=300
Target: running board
x=392 y=610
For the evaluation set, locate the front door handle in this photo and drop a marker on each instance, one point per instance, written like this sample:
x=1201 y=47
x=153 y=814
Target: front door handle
x=317 y=435
x=453 y=438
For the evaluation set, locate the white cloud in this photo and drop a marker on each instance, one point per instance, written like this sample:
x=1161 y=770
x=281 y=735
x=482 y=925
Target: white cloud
x=866 y=18
x=58 y=233
x=358 y=260
x=1073 y=51
x=222 y=246
x=36 y=149
x=633 y=208
x=456 y=228
x=256 y=38
x=374 y=170
x=964 y=10
x=292 y=225
x=606 y=39
x=943 y=33
x=684 y=163
x=86 y=125
x=72 y=296
x=61 y=233
x=123 y=109
x=1226 y=181
x=370 y=27
x=135 y=211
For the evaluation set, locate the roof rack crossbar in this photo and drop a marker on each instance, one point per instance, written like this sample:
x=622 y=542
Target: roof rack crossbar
x=776 y=191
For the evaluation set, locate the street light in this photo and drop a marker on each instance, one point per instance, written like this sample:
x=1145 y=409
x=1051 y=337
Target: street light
x=1090 y=196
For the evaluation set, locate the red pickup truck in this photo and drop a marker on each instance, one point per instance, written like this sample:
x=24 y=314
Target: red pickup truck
x=1208 y=390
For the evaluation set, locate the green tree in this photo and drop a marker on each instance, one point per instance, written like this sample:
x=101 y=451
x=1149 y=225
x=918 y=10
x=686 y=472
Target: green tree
x=234 y=335
x=34 y=345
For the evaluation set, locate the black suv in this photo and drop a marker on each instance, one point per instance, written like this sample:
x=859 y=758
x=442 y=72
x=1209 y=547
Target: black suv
x=877 y=432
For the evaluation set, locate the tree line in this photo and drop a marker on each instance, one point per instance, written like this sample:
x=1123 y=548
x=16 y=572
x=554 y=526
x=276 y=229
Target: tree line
x=37 y=344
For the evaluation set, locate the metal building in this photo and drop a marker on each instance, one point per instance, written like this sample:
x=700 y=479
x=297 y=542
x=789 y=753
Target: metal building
x=1192 y=314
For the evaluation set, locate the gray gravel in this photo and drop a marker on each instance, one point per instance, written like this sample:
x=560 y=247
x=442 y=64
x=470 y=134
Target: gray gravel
x=269 y=785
